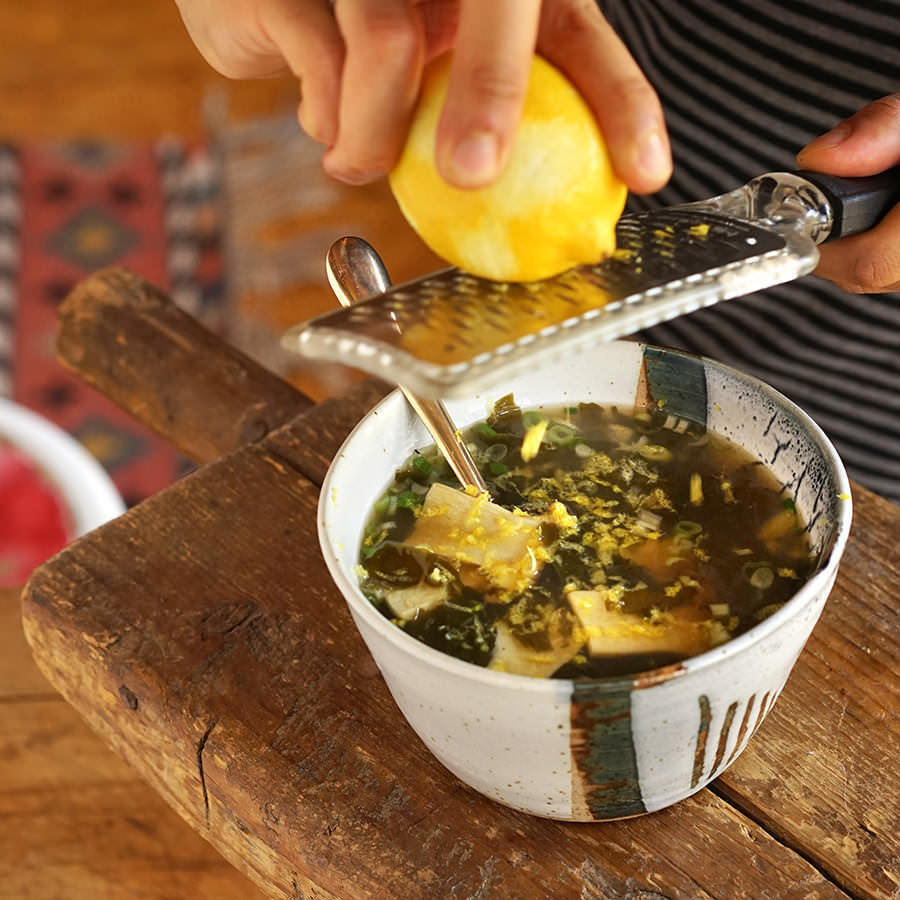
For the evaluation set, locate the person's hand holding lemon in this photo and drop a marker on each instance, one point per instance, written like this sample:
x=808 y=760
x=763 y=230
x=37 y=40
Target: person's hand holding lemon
x=361 y=64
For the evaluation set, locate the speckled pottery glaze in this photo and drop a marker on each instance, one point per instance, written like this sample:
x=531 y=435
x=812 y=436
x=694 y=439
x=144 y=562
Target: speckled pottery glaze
x=605 y=748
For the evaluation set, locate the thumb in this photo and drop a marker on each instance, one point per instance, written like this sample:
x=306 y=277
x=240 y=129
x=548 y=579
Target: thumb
x=865 y=144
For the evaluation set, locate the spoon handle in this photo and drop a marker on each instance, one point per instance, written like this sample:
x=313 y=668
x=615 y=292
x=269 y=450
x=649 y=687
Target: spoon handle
x=356 y=272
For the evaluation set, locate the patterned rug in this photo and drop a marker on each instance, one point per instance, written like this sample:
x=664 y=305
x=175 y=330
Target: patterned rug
x=69 y=209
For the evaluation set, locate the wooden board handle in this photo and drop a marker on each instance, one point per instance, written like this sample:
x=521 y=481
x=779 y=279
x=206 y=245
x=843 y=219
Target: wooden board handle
x=127 y=339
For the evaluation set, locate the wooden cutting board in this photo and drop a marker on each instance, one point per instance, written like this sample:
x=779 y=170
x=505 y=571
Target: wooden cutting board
x=78 y=821
x=200 y=636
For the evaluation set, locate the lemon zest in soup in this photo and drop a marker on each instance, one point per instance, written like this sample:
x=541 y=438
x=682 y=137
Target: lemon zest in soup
x=591 y=557
x=506 y=546
x=531 y=443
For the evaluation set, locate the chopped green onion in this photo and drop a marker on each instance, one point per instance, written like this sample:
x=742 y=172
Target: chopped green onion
x=421 y=465
x=688 y=529
x=759 y=574
x=408 y=500
x=655 y=452
x=560 y=434
x=485 y=432
x=765 y=611
x=532 y=417
x=497 y=468
x=762 y=578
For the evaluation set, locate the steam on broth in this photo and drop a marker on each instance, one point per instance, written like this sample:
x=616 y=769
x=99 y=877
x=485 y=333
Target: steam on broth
x=615 y=543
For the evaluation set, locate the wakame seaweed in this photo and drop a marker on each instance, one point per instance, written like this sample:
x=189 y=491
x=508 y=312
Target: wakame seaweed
x=659 y=524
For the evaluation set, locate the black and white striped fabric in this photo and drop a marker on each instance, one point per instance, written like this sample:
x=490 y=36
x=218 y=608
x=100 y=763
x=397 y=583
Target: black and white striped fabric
x=745 y=85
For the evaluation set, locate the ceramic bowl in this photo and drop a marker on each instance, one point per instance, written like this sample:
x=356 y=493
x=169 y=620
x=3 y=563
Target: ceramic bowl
x=81 y=485
x=602 y=748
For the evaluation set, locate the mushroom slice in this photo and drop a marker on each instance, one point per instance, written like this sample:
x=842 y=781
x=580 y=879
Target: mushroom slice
x=406 y=603
x=507 y=547
x=612 y=632
x=511 y=655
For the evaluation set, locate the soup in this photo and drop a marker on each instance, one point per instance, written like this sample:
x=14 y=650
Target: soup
x=612 y=542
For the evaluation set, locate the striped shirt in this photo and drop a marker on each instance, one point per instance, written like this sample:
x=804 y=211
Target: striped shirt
x=744 y=86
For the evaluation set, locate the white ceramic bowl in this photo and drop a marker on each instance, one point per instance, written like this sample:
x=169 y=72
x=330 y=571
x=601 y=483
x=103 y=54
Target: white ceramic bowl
x=603 y=748
x=82 y=483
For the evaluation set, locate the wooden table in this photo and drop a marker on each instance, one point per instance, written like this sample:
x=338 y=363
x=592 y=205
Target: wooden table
x=78 y=822
x=201 y=638
x=112 y=70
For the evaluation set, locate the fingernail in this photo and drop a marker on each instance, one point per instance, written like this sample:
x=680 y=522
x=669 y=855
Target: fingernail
x=832 y=138
x=347 y=173
x=653 y=155
x=475 y=159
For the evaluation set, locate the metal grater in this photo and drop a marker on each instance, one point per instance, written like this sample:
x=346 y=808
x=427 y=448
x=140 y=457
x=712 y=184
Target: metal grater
x=450 y=333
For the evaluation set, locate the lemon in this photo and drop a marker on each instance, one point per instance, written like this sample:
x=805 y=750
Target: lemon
x=555 y=205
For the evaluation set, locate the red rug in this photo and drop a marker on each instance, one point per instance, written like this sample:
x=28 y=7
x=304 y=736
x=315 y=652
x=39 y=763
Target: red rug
x=67 y=210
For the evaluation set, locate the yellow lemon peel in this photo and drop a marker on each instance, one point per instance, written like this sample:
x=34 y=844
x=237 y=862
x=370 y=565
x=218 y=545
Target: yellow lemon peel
x=555 y=205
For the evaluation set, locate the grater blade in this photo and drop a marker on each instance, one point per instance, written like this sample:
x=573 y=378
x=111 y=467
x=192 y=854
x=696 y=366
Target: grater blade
x=450 y=333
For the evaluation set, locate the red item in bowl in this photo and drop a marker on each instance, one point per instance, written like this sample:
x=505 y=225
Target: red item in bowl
x=34 y=521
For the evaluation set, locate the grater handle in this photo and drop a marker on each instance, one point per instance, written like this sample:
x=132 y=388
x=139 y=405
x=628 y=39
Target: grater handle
x=356 y=272
x=857 y=204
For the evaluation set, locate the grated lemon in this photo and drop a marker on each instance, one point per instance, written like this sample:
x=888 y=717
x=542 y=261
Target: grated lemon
x=555 y=205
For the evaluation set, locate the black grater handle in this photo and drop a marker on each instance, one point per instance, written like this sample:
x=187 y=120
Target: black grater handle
x=857 y=204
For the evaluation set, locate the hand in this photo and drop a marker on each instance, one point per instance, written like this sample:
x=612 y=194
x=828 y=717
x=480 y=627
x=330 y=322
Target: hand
x=864 y=144
x=359 y=63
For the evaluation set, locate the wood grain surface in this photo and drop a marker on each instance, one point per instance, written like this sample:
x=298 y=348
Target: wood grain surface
x=78 y=821
x=127 y=327
x=201 y=637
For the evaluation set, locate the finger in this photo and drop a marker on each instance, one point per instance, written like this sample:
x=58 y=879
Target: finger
x=385 y=53
x=227 y=36
x=440 y=20
x=307 y=36
x=867 y=263
x=865 y=144
x=492 y=59
x=575 y=37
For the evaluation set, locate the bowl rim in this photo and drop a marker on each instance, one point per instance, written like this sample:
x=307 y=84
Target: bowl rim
x=85 y=488
x=410 y=646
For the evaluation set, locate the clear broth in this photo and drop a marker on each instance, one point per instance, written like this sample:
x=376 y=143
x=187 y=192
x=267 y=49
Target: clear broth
x=673 y=523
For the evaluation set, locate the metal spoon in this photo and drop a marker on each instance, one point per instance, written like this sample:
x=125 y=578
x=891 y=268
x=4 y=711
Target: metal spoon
x=356 y=272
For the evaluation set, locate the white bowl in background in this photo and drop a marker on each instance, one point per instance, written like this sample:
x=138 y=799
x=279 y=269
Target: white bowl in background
x=82 y=483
